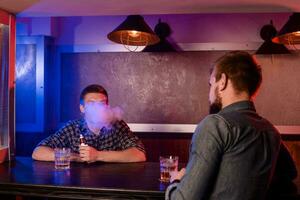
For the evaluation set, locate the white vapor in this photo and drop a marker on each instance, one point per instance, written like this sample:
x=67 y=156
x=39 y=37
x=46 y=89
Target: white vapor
x=99 y=115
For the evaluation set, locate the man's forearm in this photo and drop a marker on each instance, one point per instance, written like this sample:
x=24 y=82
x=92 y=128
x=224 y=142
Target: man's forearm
x=128 y=155
x=43 y=153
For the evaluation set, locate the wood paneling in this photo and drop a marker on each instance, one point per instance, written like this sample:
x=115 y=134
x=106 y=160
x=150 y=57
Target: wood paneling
x=164 y=144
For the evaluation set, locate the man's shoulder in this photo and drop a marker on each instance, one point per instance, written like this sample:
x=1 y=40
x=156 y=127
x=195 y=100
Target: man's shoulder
x=213 y=119
x=120 y=124
x=213 y=123
x=72 y=124
x=247 y=118
x=120 y=127
x=213 y=129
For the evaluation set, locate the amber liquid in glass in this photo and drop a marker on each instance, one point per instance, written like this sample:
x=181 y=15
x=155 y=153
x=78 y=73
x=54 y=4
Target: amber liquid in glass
x=165 y=172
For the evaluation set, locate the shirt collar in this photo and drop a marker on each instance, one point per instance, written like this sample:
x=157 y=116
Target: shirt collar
x=241 y=105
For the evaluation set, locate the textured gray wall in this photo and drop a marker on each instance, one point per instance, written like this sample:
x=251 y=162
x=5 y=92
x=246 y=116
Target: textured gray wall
x=173 y=87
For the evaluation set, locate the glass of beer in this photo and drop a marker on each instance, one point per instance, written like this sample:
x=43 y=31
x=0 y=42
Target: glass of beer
x=62 y=158
x=168 y=165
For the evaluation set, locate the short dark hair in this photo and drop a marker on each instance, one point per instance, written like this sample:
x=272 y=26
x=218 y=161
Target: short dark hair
x=94 y=88
x=241 y=68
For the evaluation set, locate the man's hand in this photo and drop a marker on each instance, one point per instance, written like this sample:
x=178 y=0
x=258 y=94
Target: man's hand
x=177 y=175
x=88 y=153
x=75 y=157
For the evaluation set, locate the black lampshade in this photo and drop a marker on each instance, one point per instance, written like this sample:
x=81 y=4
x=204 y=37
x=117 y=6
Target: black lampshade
x=267 y=32
x=290 y=32
x=134 y=32
x=162 y=30
x=268 y=47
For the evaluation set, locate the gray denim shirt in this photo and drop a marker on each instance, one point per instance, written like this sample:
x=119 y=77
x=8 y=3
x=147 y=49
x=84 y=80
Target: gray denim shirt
x=232 y=156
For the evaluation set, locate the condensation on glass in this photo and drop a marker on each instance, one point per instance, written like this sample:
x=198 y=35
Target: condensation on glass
x=4 y=91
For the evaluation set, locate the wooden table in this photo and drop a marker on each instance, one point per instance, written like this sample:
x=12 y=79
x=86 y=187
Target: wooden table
x=26 y=177
x=83 y=181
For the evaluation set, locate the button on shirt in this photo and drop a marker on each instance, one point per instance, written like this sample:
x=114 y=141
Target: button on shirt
x=118 y=137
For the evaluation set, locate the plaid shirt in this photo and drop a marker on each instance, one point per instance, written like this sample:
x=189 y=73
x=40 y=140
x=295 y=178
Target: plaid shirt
x=117 y=138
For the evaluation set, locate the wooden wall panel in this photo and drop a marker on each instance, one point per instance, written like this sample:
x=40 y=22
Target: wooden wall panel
x=166 y=144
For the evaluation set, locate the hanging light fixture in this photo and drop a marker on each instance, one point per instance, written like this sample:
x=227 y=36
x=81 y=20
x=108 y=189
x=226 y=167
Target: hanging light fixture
x=267 y=32
x=290 y=32
x=133 y=32
x=163 y=31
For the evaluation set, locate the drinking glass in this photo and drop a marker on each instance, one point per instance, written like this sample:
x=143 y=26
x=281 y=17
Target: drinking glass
x=62 y=158
x=168 y=165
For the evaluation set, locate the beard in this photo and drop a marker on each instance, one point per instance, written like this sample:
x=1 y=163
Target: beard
x=216 y=106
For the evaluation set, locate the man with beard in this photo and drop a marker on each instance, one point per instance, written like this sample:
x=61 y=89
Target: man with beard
x=234 y=150
x=107 y=138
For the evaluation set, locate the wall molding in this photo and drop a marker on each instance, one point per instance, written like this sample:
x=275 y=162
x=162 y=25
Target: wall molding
x=208 y=46
x=211 y=46
x=190 y=128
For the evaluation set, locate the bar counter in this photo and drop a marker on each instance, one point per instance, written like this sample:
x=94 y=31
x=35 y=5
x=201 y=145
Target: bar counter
x=26 y=177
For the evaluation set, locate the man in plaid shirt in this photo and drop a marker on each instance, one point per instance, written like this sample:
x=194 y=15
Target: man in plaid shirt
x=113 y=143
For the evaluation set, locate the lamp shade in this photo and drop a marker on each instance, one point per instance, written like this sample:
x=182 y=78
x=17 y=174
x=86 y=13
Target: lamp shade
x=162 y=30
x=134 y=32
x=268 y=47
x=290 y=32
x=267 y=32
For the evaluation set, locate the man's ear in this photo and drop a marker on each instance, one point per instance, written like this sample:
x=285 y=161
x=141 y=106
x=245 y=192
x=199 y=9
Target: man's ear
x=81 y=107
x=223 y=82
